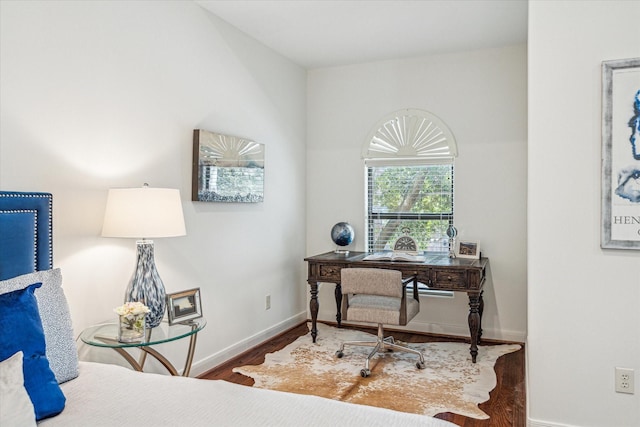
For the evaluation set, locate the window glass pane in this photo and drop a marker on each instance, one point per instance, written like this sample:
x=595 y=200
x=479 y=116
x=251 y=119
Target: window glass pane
x=413 y=200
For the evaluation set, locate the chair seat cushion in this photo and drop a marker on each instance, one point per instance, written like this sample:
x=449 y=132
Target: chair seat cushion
x=375 y=301
x=379 y=309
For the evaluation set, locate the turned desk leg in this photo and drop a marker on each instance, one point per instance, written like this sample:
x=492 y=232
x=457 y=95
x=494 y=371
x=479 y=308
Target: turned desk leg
x=338 y=293
x=474 y=323
x=481 y=310
x=313 y=306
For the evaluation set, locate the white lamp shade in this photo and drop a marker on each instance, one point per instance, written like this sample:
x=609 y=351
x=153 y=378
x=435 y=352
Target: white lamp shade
x=143 y=213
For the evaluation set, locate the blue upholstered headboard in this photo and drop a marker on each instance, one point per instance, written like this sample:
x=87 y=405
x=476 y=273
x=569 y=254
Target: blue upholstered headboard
x=26 y=243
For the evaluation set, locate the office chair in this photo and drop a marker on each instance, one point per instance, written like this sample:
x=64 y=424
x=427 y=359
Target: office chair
x=379 y=296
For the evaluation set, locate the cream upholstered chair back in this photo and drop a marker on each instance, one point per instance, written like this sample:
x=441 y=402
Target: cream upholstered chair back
x=376 y=295
x=372 y=281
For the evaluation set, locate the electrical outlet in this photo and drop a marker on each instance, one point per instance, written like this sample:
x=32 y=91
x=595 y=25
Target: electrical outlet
x=624 y=380
x=267 y=302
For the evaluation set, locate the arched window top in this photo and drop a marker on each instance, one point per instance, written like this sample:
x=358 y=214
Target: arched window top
x=410 y=136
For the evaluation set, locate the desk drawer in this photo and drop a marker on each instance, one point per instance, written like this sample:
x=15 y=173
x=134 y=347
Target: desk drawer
x=449 y=279
x=328 y=272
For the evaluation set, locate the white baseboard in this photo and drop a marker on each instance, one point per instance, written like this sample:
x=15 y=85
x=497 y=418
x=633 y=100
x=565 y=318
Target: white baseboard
x=210 y=362
x=540 y=423
x=459 y=331
x=463 y=331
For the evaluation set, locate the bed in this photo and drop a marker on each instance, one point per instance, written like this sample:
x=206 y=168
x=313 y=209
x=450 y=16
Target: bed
x=42 y=382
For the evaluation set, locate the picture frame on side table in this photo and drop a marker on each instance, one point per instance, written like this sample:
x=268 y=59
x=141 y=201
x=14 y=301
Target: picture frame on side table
x=184 y=306
x=620 y=222
x=468 y=249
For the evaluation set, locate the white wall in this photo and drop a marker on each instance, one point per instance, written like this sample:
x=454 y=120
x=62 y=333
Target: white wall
x=481 y=95
x=106 y=94
x=584 y=318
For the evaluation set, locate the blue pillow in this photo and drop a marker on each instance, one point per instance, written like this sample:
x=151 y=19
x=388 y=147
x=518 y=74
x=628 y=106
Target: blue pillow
x=56 y=320
x=21 y=330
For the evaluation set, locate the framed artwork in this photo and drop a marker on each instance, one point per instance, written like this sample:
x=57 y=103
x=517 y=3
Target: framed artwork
x=184 y=306
x=620 y=154
x=226 y=169
x=468 y=249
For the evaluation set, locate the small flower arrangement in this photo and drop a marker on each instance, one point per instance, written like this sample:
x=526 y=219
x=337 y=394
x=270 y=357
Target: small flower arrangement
x=132 y=316
x=130 y=308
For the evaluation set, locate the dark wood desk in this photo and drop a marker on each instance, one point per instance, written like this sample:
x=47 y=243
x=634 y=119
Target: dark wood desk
x=438 y=272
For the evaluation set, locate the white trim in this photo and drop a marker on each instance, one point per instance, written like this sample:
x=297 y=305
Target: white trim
x=540 y=423
x=411 y=135
x=463 y=330
x=409 y=161
x=210 y=362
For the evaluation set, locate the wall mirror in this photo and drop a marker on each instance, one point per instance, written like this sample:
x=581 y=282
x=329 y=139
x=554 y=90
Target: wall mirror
x=226 y=168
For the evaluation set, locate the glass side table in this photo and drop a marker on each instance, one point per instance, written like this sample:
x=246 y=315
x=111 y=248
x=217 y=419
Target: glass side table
x=106 y=335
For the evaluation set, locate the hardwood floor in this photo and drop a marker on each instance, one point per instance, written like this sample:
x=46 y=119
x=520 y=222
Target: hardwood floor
x=506 y=406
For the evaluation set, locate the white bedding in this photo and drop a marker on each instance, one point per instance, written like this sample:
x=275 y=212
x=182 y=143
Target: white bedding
x=109 y=395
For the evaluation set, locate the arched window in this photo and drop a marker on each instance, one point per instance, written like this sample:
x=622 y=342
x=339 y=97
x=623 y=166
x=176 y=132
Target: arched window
x=409 y=158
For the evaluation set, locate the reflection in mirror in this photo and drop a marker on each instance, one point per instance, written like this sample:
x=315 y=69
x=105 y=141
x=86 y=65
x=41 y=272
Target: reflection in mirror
x=226 y=168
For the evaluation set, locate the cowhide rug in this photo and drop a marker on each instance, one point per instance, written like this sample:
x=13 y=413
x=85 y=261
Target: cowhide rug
x=450 y=382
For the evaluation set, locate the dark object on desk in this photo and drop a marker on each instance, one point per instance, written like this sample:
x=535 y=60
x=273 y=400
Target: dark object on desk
x=438 y=271
x=406 y=243
x=452 y=232
x=342 y=234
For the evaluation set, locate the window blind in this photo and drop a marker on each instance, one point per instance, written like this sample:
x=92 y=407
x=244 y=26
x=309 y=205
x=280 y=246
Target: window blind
x=412 y=200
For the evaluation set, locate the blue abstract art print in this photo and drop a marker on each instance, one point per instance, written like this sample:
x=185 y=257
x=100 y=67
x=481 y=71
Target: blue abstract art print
x=621 y=154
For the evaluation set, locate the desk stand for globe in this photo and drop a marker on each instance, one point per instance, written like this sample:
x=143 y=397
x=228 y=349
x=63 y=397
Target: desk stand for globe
x=452 y=232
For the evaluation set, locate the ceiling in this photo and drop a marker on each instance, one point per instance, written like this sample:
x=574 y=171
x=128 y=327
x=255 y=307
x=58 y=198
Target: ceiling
x=324 y=33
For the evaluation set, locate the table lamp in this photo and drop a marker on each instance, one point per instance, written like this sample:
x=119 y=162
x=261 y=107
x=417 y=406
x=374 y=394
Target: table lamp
x=144 y=213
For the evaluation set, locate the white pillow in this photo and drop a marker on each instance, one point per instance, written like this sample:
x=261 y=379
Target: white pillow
x=56 y=320
x=16 y=409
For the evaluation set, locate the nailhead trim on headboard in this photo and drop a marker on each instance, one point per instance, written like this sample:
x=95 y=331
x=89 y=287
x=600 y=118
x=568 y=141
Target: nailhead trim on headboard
x=49 y=231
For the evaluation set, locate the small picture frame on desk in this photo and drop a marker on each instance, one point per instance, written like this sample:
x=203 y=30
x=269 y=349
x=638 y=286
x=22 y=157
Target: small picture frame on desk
x=184 y=306
x=468 y=249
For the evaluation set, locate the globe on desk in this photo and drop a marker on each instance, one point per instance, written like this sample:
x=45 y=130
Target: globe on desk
x=342 y=234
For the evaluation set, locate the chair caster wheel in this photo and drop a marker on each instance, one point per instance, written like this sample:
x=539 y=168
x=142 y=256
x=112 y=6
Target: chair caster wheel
x=364 y=373
x=339 y=354
x=420 y=365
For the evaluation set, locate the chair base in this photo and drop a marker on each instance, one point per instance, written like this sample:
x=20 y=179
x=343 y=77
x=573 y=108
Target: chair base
x=381 y=345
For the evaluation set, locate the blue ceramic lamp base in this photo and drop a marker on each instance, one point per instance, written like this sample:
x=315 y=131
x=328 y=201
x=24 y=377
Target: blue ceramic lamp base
x=146 y=286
